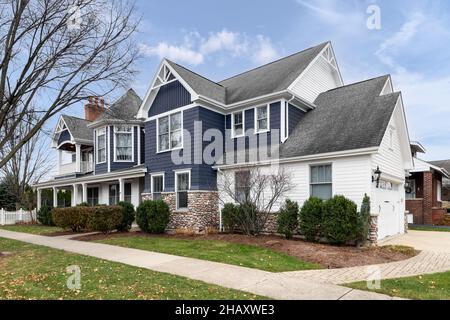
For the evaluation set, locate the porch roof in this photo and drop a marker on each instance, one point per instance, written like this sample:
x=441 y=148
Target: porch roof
x=423 y=166
x=134 y=172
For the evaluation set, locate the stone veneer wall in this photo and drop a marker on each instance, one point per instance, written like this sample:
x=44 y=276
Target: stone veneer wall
x=373 y=232
x=202 y=213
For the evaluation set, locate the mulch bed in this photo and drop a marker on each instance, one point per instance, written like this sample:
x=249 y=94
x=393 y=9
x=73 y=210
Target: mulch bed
x=327 y=256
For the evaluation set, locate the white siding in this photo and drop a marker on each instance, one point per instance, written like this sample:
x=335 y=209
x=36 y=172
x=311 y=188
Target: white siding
x=320 y=77
x=389 y=157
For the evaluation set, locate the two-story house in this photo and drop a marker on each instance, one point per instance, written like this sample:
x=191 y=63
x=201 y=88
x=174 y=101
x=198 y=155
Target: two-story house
x=334 y=139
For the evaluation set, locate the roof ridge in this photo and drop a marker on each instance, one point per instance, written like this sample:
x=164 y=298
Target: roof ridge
x=74 y=117
x=197 y=74
x=275 y=61
x=360 y=82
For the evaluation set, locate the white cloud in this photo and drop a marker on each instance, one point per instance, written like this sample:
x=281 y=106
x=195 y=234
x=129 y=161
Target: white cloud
x=178 y=53
x=195 y=48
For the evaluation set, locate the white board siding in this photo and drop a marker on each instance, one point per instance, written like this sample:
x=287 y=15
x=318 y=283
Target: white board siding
x=320 y=77
x=388 y=158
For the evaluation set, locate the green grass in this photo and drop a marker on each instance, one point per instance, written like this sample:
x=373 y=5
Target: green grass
x=424 y=228
x=33 y=229
x=36 y=272
x=218 y=251
x=426 y=287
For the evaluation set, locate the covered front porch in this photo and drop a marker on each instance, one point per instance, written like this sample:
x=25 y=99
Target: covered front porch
x=105 y=189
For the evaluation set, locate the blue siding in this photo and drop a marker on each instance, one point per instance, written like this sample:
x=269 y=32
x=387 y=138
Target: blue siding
x=203 y=177
x=295 y=115
x=170 y=97
x=64 y=137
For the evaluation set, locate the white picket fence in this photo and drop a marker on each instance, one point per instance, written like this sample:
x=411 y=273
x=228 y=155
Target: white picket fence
x=14 y=217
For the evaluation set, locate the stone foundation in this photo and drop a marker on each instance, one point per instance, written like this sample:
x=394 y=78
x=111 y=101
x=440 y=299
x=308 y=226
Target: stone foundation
x=373 y=232
x=202 y=214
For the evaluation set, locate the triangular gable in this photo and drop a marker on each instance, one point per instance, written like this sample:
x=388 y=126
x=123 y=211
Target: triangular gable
x=60 y=128
x=321 y=75
x=165 y=75
x=399 y=116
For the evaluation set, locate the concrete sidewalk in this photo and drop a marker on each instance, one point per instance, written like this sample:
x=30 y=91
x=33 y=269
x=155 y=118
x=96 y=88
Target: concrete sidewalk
x=281 y=286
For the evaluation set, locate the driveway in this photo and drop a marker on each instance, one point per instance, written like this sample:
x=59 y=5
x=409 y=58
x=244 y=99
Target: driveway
x=423 y=240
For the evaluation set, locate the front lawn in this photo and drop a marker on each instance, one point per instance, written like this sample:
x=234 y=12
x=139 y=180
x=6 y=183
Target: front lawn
x=34 y=272
x=426 y=287
x=33 y=229
x=425 y=228
x=213 y=250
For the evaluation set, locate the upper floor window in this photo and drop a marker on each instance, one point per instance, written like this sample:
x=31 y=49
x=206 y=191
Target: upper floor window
x=262 y=119
x=101 y=145
x=124 y=143
x=237 y=120
x=170 y=132
x=321 y=182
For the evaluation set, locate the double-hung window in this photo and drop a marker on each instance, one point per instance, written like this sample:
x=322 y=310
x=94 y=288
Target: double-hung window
x=170 y=132
x=238 y=124
x=183 y=185
x=157 y=186
x=101 y=145
x=242 y=186
x=321 y=182
x=124 y=143
x=262 y=119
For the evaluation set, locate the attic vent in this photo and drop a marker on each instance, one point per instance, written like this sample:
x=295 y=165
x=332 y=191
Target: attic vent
x=164 y=76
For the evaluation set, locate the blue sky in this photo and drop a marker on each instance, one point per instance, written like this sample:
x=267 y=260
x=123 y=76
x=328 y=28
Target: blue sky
x=220 y=39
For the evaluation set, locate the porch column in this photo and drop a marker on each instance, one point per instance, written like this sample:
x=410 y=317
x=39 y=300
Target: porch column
x=55 y=197
x=85 y=199
x=428 y=198
x=75 y=195
x=39 y=199
x=121 y=190
x=78 y=157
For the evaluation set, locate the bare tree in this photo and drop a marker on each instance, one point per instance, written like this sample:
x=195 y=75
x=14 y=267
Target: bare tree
x=29 y=164
x=56 y=53
x=256 y=193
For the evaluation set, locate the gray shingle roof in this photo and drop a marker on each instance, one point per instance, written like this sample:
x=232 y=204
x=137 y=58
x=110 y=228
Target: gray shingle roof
x=78 y=127
x=270 y=78
x=445 y=164
x=125 y=108
x=346 y=118
x=199 y=84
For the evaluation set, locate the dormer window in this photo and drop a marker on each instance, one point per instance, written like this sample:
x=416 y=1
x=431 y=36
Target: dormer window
x=124 y=143
x=101 y=145
x=262 y=119
x=238 y=124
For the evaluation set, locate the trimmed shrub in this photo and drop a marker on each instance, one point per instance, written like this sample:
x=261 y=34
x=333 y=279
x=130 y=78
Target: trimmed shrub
x=73 y=218
x=249 y=220
x=311 y=218
x=128 y=216
x=153 y=216
x=84 y=204
x=44 y=216
x=288 y=219
x=340 y=220
x=229 y=217
x=104 y=218
x=364 y=221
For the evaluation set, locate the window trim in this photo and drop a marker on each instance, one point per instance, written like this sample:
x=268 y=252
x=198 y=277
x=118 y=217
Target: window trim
x=235 y=182
x=233 y=133
x=257 y=131
x=170 y=132
x=438 y=191
x=97 y=144
x=321 y=183
x=158 y=174
x=115 y=143
x=177 y=172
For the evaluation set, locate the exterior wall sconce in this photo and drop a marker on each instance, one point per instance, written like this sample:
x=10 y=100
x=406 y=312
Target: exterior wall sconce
x=376 y=178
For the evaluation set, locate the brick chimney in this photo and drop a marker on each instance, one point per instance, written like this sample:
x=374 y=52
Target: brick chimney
x=94 y=108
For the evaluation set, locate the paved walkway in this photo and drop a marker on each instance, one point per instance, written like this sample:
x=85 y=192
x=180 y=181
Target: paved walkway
x=285 y=286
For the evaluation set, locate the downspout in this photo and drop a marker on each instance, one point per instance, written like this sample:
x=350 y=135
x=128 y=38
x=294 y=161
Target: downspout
x=219 y=171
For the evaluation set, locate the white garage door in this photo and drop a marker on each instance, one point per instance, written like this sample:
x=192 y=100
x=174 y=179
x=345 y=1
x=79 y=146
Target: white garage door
x=389 y=208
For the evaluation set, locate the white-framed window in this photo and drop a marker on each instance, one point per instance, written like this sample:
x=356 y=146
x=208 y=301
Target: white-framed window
x=242 y=186
x=157 y=185
x=238 y=124
x=321 y=182
x=170 y=132
x=124 y=144
x=101 y=146
x=262 y=119
x=439 y=190
x=182 y=187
